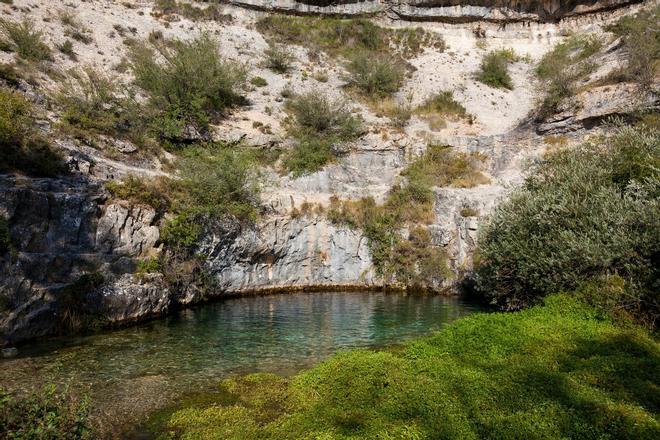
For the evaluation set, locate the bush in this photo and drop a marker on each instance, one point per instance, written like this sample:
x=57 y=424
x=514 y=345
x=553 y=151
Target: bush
x=494 y=69
x=258 y=81
x=318 y=123
x=641 y=39
x=92 y=103
x=556 y=371
x=561 y=68
x=48 y=414
x=188 y=84
x=67 y=49
x=443 y=103
x=584 y=214
x=375 y=77
x=22 y=148
x=142 y=191
x=26 y=42
x=278 y=58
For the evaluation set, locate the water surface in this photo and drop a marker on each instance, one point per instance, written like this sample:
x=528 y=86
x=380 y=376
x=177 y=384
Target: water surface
x=133 y=371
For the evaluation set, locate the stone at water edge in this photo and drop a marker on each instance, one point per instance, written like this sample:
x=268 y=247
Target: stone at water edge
x=9 y=352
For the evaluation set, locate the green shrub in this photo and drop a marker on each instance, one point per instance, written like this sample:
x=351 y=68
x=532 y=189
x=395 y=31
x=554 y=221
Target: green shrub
x=317 y=122
x=278 y=58
x=25 y=41
x=641 y=39
x=22 y=148
x=585 y=213
x=494 y=69
x=258 y=81
x=92 y=103
x=440 y=166
x=142 y=191
x=72 y=315
x=48 y=414
x=555 y=371
x=67 y=49
x=188 y=83
x=561 y=68
x=375 y=77
x=347 y=38
x=443 y=103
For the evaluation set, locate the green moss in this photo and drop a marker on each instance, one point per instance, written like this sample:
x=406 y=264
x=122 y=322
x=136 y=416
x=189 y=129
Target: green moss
x=560 y=370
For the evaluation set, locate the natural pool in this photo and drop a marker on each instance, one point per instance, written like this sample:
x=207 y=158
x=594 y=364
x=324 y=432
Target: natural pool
x=131 y=372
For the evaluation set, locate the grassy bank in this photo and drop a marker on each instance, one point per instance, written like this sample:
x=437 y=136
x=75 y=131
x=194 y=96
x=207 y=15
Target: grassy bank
x=557 y=370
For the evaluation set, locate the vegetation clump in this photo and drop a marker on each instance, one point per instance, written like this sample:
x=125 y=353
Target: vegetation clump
x=188 y=85
x=494 y=69
x=374 y=77
x=413 y=261
x=24 y=40
x=168 y=8
x=561 y=370
x=22 y=148
x=560 y=69
x=586 y=214
x=641 y=39
x=278 y=58
x=48 y=414
x=319 y=124
x=440 y=106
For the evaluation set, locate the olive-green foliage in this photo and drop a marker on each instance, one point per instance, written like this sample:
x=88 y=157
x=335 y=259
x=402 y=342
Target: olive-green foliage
x=47 y=414
x=494 y=69
x=5 y=237
x=25 y=41
x=588 y=212
x=278 y=58
x=561 y=370
x=22 y=148
x=561 y=68
x=412 y=261
x=317 y=122
x=443 y=103
x=216 y=180
x=93 y=103
x=142 y=191
x=375 y=77
x=258 y=81
x=641 y=38
x=188 y=84
x=67 y=49
x=9 y=74
x=348 y=37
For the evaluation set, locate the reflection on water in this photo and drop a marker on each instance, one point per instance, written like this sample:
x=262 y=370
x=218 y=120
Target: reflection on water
x=188 y=352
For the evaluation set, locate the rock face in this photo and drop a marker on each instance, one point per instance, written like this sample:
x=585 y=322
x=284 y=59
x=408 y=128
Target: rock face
x=285 y=253
x=454 y=11
x=61 y=229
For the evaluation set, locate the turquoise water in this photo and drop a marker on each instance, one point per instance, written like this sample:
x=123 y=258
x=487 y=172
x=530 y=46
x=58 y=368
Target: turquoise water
x=133 y=371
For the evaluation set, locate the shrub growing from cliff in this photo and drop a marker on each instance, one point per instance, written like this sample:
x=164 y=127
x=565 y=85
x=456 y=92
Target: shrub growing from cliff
x=561 y=68
x=413 y=261
x=22 y=148
x=319 y=124
x=641 y=39
x=494 y=69
x=47 y=414
x=562 y=370
x=25 y=41
x=375 y=77
x=584 y=214
x=189 y=85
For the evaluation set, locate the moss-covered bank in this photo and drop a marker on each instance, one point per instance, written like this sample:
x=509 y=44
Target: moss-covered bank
x=557 y=370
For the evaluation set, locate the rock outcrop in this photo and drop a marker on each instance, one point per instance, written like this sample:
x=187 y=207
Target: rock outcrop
x=451 y=11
